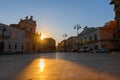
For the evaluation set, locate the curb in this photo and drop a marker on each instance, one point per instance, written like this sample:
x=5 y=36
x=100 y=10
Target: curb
x=115 y=52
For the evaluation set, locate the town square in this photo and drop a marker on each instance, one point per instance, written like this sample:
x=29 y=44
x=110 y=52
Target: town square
x=60 y=40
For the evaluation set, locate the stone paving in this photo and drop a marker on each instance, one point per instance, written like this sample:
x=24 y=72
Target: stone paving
x=60 y=66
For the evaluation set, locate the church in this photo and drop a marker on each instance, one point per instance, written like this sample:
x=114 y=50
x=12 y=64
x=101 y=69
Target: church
x=21 y=37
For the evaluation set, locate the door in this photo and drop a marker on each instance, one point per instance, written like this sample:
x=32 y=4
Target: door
x=1 y=47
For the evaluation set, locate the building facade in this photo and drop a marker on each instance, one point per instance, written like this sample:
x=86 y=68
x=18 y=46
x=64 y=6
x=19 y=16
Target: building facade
x=116 y=4
x=93 y=38
x=62 y=46
x=59 y=47
x=100 y=37
x=11 y=39
x=68 y=45
x=48 y=45
x=88 y=38
x=32 y=39
x=22 y=34
x=71 y=44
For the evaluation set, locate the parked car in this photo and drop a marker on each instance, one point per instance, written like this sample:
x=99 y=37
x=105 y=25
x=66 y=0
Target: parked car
x=85 y=50
x=102 y=50
x=81 y=50
x=74 y=50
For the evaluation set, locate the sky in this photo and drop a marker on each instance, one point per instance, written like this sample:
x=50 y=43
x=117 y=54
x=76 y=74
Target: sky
x=57 y=17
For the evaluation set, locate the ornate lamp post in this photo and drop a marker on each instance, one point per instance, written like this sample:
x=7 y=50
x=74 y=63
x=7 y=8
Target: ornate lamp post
x=65 y=35
x=77 y=27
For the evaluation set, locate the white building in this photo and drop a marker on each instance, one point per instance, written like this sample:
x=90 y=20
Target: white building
x=100 y=37
x=11 y=39
x=88 y=38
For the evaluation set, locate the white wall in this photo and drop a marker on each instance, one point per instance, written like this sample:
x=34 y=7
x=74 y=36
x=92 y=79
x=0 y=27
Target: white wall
x=12 y=36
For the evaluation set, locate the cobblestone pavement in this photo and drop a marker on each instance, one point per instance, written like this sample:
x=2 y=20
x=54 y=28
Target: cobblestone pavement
x=60 y=66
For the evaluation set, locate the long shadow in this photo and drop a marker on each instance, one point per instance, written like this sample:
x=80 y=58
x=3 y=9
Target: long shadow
x=12 y=65
x=107 y=63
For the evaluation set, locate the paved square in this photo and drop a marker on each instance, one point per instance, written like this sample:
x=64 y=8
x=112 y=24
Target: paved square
x=60 y=66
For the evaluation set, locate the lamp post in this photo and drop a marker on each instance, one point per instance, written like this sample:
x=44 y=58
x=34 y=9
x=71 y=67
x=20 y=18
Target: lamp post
x=65 y=35
x=77 y=27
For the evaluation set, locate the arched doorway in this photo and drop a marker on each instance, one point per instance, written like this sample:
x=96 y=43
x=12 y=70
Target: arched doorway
x=1 y=47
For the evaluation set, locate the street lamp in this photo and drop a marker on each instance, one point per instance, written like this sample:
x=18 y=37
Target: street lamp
x=77 y=27
x=65 y=35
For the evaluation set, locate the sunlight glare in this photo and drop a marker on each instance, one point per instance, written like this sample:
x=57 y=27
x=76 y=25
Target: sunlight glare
x=42 y=37
x=41 y=65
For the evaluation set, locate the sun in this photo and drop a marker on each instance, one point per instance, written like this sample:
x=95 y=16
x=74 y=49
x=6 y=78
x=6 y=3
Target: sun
x=42 y=37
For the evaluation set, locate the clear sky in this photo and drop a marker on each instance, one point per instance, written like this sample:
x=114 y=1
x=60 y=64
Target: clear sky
x=56 y=17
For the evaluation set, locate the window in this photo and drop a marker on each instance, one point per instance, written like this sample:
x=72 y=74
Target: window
x=15 y=47
x=9 y=47
x=90 y=38
x=114 y=35
x=95 y=37
x=22 y=47
x=81 y=41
